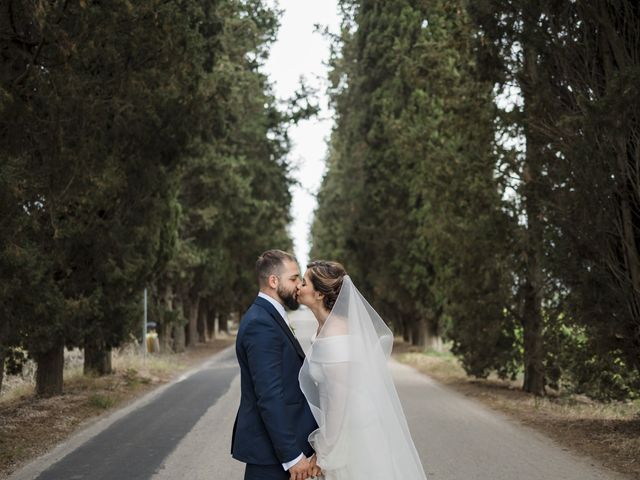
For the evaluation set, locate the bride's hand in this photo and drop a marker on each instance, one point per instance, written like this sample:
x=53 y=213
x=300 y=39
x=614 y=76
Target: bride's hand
x=315 y=470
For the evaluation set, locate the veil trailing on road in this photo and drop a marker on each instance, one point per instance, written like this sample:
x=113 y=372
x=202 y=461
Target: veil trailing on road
x=362 y=433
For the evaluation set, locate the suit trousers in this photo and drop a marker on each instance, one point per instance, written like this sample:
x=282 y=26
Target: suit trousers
x=265 y=472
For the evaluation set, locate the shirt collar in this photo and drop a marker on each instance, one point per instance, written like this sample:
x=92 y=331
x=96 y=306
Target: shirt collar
x=277 y=305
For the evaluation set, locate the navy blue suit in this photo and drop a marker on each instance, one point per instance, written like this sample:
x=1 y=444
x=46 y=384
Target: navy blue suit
x=274 y=420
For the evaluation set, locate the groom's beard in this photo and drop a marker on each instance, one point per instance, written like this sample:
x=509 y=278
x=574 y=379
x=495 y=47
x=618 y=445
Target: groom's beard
x=289 y=298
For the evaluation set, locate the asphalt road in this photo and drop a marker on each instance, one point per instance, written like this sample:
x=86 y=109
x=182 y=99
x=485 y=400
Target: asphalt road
x=183 y=431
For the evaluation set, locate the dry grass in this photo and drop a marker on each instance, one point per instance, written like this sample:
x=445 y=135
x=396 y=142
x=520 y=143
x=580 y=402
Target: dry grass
x=30 y=426
x=609 y=432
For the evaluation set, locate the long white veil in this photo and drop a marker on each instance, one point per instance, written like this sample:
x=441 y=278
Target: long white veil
x=362 y=433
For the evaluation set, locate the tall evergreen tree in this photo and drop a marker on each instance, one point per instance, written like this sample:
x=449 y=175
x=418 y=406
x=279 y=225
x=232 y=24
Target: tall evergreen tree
x=234 y=191
x=99 y=123
x=402 y=164
x=592 y=126
x=512 y=55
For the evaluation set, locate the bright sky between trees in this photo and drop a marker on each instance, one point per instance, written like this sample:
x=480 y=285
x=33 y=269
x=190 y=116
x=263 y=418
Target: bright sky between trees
x=300 y=51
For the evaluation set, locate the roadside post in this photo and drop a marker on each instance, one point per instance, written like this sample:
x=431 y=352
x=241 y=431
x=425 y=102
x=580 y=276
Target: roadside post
x=144 y=325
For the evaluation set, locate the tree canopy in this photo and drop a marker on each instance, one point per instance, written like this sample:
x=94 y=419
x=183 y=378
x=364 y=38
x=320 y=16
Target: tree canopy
x=481 y=187
x=141 y=148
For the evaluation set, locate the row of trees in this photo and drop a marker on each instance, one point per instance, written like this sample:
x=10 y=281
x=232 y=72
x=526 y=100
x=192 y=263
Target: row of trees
x=483 y=182
x=140 y=146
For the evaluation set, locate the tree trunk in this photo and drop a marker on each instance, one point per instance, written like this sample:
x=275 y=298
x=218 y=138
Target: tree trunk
x=223 y=323
x=164 y=336
x=97 y=358
x=179 y=337
x=203 y=336
x=2 y=350
x=192 y=325
x=4 y=333
x=433 y=339
x=212 y=324
x=616 y=57
x=49 y=371
x=534 y=375
x=419 y=332
x=398 y=327
x=166 y=326
x=406 y=330
x=627 y=230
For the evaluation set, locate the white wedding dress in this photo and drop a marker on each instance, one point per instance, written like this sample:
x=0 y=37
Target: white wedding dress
x=362 y=431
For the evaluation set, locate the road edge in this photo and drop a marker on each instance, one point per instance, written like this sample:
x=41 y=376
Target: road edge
x=96 y=425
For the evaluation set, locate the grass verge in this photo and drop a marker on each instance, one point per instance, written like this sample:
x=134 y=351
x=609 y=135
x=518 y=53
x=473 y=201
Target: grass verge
x=31 y=426
x=608 y=432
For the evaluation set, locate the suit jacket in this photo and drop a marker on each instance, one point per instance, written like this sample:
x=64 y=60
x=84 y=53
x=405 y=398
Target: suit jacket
x=274 y=420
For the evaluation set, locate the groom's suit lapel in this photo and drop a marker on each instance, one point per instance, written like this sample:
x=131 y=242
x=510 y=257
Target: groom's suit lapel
x=283 y=325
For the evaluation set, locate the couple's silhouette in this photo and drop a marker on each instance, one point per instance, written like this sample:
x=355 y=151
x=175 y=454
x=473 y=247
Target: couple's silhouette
x=333 y=412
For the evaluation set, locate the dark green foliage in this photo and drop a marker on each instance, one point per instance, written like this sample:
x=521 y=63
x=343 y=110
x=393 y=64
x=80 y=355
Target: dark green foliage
x=577 y=70
x=141 y=146
x=234 y=189
x=99 y=122
x=596 y=193
x=135 y=150
x=409 y=202
x=482 y=182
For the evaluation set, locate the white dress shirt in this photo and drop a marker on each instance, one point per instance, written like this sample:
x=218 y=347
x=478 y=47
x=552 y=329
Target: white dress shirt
x=280 y=309
x=277 y=305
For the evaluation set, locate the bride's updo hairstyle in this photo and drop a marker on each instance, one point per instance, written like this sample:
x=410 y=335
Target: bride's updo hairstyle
x=326 y=278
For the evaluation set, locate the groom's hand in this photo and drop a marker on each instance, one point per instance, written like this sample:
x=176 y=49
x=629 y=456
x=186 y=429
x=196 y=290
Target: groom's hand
x=300 y=471
x=315 y=469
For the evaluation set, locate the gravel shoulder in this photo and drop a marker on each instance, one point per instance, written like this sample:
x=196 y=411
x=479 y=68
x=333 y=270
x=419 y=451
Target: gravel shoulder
x=608 y=433
x=34 y=431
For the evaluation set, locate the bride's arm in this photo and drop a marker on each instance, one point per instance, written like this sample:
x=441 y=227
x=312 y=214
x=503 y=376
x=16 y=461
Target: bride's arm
x=336 y=400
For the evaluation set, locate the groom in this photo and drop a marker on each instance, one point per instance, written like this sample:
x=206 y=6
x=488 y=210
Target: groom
x=274 y=421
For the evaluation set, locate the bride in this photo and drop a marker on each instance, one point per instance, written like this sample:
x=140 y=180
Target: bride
x=362 y=431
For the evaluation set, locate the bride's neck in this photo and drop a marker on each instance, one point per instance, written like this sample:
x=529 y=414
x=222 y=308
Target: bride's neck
x=321 y=315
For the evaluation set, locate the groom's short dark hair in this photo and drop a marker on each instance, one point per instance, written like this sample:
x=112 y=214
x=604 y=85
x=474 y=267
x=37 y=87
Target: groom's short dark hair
x=270 y=263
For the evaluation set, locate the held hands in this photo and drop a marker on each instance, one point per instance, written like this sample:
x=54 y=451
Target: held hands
x=315 y=470
x=305 y=469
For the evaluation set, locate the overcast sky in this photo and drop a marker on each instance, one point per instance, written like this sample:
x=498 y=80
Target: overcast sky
x=299 y=51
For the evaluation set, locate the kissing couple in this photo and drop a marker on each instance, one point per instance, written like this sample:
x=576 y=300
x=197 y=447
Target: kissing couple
x=332 y=413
